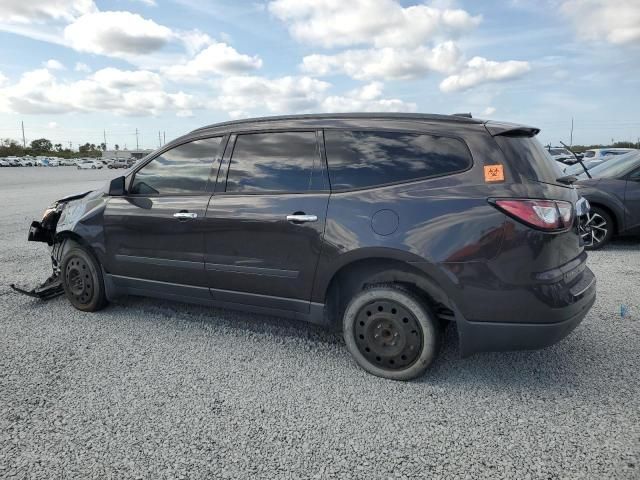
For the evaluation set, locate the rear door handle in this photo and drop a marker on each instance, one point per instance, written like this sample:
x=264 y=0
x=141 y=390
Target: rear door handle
x=185 y=215
x=301 y=218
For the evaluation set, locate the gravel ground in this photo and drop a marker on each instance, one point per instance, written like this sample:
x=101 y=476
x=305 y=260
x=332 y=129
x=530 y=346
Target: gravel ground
x=149 y=389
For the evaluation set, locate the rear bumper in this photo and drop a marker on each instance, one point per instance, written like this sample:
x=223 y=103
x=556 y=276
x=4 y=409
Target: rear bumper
x=482 y=336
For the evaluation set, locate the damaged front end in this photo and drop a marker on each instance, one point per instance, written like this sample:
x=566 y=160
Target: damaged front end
x=46 y=231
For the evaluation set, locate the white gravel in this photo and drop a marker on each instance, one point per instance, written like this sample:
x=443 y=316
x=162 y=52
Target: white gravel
x=149 y=389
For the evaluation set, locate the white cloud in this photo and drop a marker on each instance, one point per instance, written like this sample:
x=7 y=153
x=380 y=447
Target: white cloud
x=382 y=23
x=278 y=95
x=149 y=3
x=40 y=11
x=53 y=64
x=82 y=67
x=217 y=59
x=386 y=63
x=52 y=125
x=487 y=112
x=107 y=90
x=366 y=99
x=117 y=34
x=615 y=21
x=479 y=70
x=3 y=80
x=195 y=40
x=250 y=95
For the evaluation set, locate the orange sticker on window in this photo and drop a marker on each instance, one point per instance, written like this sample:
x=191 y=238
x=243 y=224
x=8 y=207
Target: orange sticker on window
x=493 y=173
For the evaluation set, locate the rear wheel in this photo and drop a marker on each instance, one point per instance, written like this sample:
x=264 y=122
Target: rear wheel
x=391 y=333
x=82 y=279
x=599 y=229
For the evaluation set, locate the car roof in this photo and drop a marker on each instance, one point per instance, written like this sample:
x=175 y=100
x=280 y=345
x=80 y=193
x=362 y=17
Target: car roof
x=331 y=118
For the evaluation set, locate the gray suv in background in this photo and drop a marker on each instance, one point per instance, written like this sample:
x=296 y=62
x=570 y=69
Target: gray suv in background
x=386 y=226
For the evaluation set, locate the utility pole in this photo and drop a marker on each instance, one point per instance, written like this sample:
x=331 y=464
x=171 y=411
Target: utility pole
x=137 y=146
x=104 y=133
x=164 y=138
x=24 y=140
x=571 y=137
x=159 y=140
x=70 y=145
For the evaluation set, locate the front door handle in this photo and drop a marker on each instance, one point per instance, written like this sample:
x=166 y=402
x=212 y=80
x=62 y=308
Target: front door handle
x=185 y=215
x=301 y=218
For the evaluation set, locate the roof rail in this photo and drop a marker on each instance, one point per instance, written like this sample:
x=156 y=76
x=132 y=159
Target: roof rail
x=465 y=115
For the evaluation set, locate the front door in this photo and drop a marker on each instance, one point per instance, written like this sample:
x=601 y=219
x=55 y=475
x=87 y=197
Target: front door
x=155 y=231
x=632 y=203
x=265 y=226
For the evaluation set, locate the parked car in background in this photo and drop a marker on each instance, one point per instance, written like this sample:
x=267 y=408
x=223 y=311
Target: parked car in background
x=89 y=164
x=4 y=162
x=119 y=163
x=385 y=226
x=561 y=154
x=602 y=153
x=614 y=195
x=13 y=161
x=54 y=162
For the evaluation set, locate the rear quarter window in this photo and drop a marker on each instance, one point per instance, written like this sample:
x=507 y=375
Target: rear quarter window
x=362 y=159
x=529 y=158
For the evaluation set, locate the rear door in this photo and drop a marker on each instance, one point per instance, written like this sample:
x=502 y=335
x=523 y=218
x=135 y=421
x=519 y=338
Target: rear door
x=265 y=223
x=155 y=231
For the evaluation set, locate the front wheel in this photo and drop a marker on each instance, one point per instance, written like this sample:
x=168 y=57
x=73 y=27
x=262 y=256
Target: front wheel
x=599 y=229
x=82 y=279
x=391 y=333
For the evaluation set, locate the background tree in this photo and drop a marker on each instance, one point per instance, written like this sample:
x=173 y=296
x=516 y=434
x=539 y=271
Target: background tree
x=41 y=145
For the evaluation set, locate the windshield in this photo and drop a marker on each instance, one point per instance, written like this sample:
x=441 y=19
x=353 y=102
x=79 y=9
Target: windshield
x=558 y=151
x=615 y=167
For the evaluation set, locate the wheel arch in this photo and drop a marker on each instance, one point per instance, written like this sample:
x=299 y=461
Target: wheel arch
x=360 y=273
x=617 y=225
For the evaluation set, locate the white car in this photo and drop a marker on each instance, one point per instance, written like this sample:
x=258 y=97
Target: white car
x=54 y=162
x=89 y=165
x=4 y=162
x=602 y=153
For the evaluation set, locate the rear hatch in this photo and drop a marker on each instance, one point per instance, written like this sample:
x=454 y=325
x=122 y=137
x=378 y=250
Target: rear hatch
x=526 y=156
x=536 y=199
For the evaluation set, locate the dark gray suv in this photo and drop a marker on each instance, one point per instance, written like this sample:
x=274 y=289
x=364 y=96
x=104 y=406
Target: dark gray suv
x=388 y=226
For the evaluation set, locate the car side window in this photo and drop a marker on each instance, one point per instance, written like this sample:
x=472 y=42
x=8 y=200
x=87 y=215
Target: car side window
x=183 y=170
x=273 y=162
x=361 y=159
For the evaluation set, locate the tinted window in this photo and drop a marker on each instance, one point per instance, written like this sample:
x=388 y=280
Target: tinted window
x=272 y=162
x=365 y=159
x=589 y=154
x=182 y=170
x=529 y=158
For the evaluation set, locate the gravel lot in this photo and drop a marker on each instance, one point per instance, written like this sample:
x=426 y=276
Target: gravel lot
x=150 y=389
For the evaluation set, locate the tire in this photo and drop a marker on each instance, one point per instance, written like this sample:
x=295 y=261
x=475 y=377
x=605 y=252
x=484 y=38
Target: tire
x=391 y=333
x=82 y=279
x=600 y=231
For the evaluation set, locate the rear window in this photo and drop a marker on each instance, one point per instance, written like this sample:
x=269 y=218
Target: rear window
x=589 y=154
x=362 y=159
x=530 y=159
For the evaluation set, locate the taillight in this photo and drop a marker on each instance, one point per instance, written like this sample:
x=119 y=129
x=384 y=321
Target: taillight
x=551 y=215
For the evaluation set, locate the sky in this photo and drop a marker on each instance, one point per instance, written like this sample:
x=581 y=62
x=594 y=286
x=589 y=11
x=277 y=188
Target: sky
x=77 y=71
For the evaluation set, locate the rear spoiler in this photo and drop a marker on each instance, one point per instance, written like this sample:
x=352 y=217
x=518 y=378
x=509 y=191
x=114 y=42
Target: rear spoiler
x=510 y=129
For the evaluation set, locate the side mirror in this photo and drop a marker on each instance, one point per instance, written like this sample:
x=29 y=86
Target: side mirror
x=116 y=187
